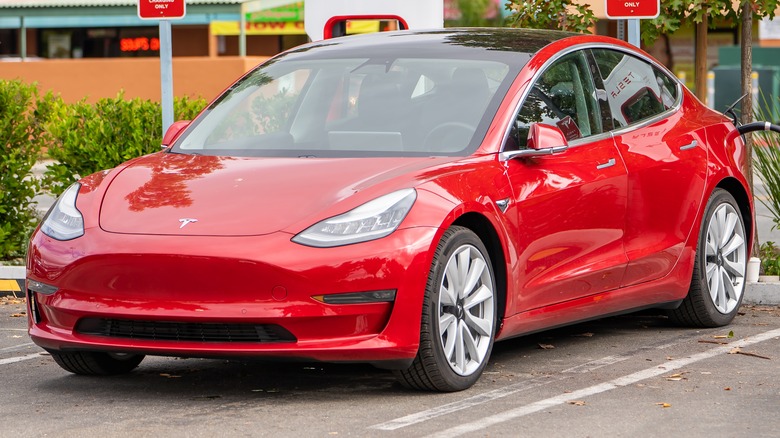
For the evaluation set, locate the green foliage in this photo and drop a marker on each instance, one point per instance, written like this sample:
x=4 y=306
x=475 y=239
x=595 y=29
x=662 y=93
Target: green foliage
x=473 y=13
x=86 y=138
x=675 y=12
x=20 y=133
x=766 y=161
x=770 y=258
x=551 y=14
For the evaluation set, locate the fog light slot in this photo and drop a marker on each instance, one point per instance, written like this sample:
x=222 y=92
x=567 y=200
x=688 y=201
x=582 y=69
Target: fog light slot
x=376 y=296
x=41 y=288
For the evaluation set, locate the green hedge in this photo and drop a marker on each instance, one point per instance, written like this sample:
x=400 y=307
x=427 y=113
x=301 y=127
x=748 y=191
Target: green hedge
x=21 y=128
x=81 y=138
x=86 y=138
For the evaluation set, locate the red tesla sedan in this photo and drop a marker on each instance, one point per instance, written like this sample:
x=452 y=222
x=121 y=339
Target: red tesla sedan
x=403 y=199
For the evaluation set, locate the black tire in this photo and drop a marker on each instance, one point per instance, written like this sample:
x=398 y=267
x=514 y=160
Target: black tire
x=92 y=363
x=471 y=321
x=700 y=308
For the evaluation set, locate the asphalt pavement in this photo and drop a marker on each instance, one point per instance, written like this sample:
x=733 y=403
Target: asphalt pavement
x=626 y=376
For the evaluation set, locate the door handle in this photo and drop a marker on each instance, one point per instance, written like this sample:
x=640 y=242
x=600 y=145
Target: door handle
x=609 y=163
x=689 y=146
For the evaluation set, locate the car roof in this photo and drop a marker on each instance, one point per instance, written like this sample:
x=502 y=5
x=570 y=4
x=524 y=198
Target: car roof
x=435 y=43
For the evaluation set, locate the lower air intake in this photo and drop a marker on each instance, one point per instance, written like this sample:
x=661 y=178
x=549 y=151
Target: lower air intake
x=184 y=331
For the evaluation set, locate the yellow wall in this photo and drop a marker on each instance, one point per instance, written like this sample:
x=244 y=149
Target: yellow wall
x=94 y=78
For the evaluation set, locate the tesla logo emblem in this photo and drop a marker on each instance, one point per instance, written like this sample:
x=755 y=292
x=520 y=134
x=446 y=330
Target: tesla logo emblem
x=185 y=221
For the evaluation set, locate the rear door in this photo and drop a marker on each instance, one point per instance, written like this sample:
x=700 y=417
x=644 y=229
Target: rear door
x=665 y=157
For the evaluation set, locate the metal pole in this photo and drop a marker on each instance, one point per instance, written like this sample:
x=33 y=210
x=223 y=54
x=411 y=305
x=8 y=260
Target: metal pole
x=242 y=33
x=621 y=30
x=634 y=35
x=166 y=74
x=22 y=38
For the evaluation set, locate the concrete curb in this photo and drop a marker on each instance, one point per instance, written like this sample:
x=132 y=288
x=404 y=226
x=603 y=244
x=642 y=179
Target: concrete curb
x=767 y=294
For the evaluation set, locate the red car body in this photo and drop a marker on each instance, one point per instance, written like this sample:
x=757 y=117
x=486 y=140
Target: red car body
x=591 y=231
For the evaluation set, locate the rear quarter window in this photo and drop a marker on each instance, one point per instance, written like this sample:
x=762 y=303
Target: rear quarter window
x=636 y=90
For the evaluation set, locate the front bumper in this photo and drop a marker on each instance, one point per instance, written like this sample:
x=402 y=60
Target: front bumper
x=181 y=281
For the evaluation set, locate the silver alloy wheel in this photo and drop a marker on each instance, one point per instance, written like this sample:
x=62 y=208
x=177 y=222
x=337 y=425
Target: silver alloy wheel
x=726 y=258
x=466 y=315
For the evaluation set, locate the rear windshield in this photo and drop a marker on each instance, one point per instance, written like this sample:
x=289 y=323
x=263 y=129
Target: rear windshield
x=354 y=106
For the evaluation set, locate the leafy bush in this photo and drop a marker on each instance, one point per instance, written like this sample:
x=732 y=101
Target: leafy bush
x=770 y=259
x=21 y=130
x=766 y=160
x=86 y=138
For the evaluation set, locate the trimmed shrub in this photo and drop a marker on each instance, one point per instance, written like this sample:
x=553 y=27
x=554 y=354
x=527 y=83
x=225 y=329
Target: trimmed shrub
x=87 y=138
x=21 y=131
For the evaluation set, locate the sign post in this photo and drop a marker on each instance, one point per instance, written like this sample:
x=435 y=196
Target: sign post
x=633 y=11
x=164 y=11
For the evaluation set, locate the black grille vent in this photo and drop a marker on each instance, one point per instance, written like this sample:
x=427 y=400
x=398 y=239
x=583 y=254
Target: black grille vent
x=184 y=331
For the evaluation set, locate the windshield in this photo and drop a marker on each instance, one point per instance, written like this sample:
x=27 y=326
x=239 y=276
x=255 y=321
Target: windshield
x=354 y=106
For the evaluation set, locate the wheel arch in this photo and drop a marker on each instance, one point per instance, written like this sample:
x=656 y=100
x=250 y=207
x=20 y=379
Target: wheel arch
x=737 y=190
x=484 y=229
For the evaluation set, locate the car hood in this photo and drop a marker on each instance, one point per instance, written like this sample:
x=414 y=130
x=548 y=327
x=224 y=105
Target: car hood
x=176 y=194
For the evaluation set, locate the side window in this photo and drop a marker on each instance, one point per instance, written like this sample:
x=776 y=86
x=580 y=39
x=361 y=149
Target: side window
x=563 y=96
x=635 y=89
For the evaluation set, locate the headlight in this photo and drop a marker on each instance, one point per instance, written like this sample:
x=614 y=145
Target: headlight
x=64 y=220
x=372 y=220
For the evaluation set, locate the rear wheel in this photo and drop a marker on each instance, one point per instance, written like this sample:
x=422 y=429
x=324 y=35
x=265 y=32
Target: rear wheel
x=96 y=363
x=459 y=316
x=718 y=279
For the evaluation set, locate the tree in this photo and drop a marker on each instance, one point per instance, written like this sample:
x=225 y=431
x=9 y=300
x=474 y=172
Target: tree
x=551 y=14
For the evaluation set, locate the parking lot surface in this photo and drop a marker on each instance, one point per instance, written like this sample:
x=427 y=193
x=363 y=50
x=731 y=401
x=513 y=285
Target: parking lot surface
x=633 y=375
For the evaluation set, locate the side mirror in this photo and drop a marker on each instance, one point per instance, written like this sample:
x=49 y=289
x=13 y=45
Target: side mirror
x=543 y=136
x=173 y=132
x=542 y=140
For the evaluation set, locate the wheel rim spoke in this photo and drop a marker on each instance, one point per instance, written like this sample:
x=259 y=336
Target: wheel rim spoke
x=736 y=242
x=466 y=310
x=715 y=286
x=447 y=295
x=480 y=325
x=469 y=343
x=724 y=282
x=473 y=276
x=450 y=329
x=730 y=221
x=735 y=270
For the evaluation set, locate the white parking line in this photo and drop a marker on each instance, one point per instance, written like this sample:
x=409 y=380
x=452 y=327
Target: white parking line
x=466 y=403
x=429 y=414
x=630 y=379
x=16 y=347
x=20 y=358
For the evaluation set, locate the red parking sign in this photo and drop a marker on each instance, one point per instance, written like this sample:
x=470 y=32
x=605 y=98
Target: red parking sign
x=161 y=9
x=632 y=9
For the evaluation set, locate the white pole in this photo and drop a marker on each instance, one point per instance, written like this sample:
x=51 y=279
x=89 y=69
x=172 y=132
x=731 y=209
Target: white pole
x=633 y=32
x=22 y=38
x=242 y=33
x=166 y=74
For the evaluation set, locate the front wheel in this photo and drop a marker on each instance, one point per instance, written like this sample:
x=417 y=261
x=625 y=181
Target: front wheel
x=459 y=316
x=718 y=281
x=93 y=363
